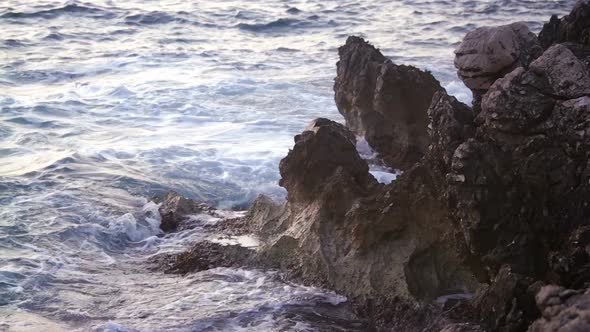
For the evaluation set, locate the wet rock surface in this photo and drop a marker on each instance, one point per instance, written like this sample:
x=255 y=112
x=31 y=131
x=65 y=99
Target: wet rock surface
x=176 y=210
x=384 y=102
x=574 y=27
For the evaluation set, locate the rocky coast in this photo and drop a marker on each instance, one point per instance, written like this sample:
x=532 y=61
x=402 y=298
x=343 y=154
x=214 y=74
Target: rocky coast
x=487 y=226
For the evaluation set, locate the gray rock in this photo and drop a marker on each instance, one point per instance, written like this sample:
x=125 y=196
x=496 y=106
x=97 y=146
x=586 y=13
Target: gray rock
x=488 y=53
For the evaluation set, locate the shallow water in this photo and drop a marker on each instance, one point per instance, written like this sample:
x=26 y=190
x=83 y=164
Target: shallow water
x=106 y=103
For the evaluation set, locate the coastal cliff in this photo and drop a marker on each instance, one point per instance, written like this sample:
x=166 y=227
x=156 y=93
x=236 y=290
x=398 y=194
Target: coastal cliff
x=487 y=227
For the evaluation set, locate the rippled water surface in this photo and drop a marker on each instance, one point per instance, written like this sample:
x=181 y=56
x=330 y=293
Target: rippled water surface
x=105 y=104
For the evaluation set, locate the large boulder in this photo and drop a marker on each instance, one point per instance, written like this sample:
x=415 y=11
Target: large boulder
x=384 y=102
x=574 y=27
x=488 y=53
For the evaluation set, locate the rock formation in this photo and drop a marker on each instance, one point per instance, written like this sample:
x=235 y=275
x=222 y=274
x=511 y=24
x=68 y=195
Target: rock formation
x=574 y=27
x=488 y=53
x=384 y=102
x=492 y=206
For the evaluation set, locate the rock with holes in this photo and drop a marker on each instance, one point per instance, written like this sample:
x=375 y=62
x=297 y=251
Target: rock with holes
x=384 y=102
x=341 y=229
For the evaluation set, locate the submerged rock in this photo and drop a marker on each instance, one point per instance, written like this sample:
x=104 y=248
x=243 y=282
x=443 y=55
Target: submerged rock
x=175 y=209
x=342 y=229
x=488 y=53
x=574 y=27
x=384 y=102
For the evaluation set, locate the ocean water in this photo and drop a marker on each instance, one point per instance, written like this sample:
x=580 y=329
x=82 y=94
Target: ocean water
x=104 y=104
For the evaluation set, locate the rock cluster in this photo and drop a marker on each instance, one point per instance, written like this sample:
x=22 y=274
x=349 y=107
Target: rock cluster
x=488 y=53
x=493 y=205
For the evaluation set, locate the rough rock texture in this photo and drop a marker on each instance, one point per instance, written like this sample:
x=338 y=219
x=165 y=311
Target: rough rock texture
x=521 y=184
x=343 y=230
x=574 y=27
x=563 y=310
x=202 y=256
x=384 y=102
x=487 y=209
x=175 y=209
x=180 y=213
x=489 y=53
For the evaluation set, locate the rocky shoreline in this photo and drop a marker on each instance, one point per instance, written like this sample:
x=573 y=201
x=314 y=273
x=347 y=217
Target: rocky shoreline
x=487 y=227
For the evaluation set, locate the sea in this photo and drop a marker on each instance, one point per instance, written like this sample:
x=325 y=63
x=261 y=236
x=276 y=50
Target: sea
x=106 y=104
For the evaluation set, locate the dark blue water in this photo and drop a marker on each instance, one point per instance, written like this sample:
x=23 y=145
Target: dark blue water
x=104 y=104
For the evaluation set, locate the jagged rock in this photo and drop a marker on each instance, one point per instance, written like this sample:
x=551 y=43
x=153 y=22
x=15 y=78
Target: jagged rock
x=521 y=183
x=563 y=310
x=202 y=256
x=450 y=124
x=384 y=102
x=341 y=229
x=320 y=150
x=175 y=208
x=489 y=53
x=179 y=213
x=574 y=27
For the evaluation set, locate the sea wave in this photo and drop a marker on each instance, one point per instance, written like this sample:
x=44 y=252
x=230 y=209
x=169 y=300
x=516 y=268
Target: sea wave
x=72 y=9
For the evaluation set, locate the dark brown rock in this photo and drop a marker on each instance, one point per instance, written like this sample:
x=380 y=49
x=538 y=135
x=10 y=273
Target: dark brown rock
x=323 y=148
x=450 y=124
x=341 y=229
x=493 y=207
x=384 y=102
x=520 y=185
x=175 y=209
x=574 y=27
x=202 y=256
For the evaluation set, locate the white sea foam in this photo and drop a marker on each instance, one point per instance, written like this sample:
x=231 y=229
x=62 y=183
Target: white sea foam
x=382 y=173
